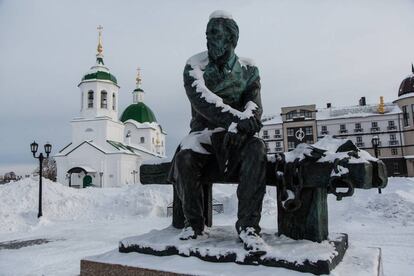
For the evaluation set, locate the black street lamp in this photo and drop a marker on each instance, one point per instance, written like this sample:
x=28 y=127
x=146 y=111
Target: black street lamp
x=134 y=172
x=375 y=143
x=48 y=148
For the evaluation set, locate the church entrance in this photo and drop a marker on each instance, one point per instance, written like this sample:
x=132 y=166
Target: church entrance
x=82 y=177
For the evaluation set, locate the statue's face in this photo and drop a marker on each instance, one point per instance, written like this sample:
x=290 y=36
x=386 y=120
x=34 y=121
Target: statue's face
x=219 y=43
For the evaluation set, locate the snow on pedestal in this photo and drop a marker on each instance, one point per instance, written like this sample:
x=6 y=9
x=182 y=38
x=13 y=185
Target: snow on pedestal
x=221 y=244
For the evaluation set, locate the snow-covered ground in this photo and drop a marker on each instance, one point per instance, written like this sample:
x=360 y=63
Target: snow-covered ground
x=91 y=221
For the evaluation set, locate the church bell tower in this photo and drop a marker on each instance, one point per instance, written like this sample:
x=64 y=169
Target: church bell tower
x=98 y=120
x=99 y=89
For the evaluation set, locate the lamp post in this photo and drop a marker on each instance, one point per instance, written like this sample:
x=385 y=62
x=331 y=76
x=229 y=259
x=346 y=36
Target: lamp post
x=134 y=172
x=100 y=178
x=375 y=143
x=48 y=148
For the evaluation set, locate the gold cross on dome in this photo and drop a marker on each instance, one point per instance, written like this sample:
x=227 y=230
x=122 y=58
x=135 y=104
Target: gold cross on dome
x=138 y=78
x=100 y=47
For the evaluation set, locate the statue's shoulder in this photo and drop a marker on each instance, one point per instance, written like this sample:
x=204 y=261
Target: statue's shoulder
x=194 y=67
x=198 y=61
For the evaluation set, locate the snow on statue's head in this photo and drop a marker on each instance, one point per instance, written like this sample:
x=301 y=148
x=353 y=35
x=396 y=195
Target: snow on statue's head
x=222 y=36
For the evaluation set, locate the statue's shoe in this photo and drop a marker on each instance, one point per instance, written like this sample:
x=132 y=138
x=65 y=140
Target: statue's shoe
x=188 y=233
x=252 y=242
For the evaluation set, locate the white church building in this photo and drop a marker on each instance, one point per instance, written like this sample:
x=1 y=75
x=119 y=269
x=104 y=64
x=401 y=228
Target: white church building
x=106 y=151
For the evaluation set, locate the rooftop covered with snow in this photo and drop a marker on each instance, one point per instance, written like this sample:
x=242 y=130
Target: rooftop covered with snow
x=356 y=111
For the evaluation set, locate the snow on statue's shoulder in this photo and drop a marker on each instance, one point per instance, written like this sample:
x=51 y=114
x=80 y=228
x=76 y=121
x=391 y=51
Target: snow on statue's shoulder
x=220 y=14
x=199 y=60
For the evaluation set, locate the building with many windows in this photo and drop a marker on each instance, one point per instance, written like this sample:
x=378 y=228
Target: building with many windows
x=392 y=123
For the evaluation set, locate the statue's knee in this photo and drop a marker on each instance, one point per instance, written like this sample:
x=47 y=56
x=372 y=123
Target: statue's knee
x=256 y=146
x=183 y=159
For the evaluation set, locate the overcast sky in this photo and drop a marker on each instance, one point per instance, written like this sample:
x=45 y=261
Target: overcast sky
x=308 y=52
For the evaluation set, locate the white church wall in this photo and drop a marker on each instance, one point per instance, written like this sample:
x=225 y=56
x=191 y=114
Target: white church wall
x=112 y=175
x=119 y=169
x=130 y=167
x=62 y=168
x=115 y=131
x=137 y=133
x=148 y=133
x=98 y=130
x=153 y=138
x=86 y=130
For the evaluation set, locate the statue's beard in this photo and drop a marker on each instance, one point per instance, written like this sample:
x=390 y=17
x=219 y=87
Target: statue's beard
x=219 y=54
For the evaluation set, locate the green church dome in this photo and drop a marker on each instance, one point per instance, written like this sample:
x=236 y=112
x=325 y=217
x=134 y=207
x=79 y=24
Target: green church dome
x=99 y=75
x=139 y=112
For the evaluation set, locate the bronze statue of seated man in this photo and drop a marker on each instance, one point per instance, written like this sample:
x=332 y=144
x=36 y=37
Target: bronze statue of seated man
x=224 y=92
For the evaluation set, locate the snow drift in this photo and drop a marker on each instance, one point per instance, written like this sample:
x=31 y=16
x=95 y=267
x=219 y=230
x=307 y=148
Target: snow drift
x=19 y=203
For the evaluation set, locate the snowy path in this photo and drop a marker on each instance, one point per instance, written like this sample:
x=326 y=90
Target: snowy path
x=73 y=242
x=92 y=221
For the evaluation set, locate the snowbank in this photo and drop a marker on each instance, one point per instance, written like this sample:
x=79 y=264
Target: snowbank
x=19 y=203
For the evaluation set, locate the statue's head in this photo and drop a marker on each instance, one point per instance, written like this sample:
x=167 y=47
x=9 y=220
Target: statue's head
x=222 y=36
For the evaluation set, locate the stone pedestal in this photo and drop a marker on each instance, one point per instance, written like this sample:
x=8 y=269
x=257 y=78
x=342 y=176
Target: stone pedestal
x=223 y=245
x=356 y=262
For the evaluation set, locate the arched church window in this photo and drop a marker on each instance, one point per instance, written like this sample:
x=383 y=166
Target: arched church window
x=104 y=99
x=142 y=140
x=82 y=101
x=90 y=99
x=113 y=101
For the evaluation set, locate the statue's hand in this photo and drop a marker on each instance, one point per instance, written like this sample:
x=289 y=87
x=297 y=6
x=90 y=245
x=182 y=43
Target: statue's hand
x=233 y=141
x=249 y=126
